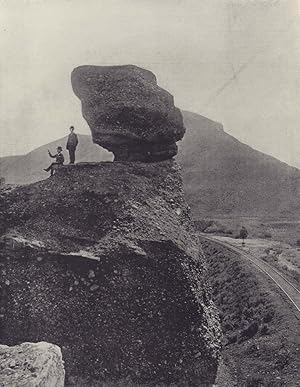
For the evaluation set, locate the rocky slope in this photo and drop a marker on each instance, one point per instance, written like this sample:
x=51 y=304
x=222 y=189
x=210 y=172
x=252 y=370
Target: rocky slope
x=261 y=328
x=101 y=259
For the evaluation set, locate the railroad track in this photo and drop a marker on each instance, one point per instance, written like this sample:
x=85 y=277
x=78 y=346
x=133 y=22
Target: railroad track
x=290 y=290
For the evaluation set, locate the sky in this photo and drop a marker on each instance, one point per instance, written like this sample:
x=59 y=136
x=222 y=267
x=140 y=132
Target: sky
x=234 y=61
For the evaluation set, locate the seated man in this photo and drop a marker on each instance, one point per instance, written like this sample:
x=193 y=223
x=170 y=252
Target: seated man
x=59 y=160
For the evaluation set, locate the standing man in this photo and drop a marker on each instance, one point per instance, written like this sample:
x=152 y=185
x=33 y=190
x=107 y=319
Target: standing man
x=243 y=234
x=72 y=144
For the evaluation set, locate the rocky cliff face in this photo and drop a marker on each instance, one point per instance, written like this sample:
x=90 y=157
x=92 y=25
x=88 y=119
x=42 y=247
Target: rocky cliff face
x=31 y=364
x=101 y=259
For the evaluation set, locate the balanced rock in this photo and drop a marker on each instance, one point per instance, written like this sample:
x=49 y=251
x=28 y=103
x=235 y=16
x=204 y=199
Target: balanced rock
x=128 y=113
x=31 y=365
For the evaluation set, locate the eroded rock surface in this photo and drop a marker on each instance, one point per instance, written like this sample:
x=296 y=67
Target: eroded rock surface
x=102 y=260
x=128 y=113
x=31 y=365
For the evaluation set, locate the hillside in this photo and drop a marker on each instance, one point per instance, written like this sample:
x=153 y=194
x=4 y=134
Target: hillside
x=222 y=176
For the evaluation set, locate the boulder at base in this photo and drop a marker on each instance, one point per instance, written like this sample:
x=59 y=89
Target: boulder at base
x=31 y=365
x=102 y=260
x=128 y=113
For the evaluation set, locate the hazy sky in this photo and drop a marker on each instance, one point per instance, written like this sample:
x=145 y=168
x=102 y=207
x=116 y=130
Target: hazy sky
x=235 y=61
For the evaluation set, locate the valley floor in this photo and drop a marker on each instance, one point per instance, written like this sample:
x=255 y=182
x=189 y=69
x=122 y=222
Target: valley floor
x=278 y=229
x=281 y=255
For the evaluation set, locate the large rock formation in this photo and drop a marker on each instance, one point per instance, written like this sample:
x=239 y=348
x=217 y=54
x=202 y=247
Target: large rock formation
x=102 y=260
x=128 y=113
x=31 y=365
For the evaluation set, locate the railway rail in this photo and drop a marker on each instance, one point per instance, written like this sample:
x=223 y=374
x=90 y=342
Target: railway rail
x=290 y=291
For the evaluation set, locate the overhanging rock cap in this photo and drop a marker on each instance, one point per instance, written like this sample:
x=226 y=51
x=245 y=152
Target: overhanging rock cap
x=128 y=113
